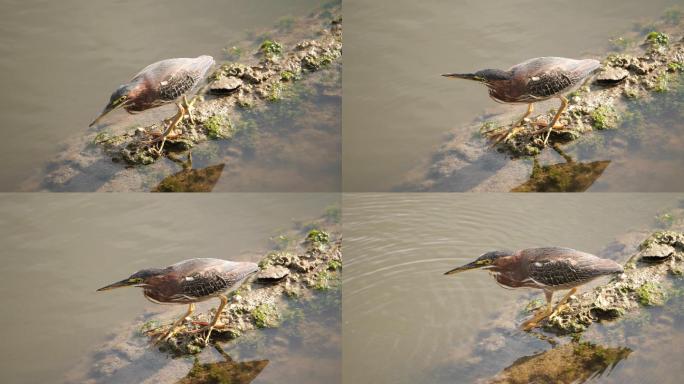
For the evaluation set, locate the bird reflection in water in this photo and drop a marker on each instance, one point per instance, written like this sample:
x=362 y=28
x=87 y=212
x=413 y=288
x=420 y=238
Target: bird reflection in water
x=227 y=371
x=189 y=179
x=575 y=362
x=570 y=176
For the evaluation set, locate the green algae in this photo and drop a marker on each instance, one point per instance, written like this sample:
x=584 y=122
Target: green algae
x=265 y=316
x=334 y=265
x=318 y=239
x=664 y=220
x=651 y=294
x=604 y=117
x=657 y=39
x=271 y=48
x=215 y=127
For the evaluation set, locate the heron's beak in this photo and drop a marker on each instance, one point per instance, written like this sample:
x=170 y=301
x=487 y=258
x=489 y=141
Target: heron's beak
x=118 y=284
x=466 y=76
x=108 y=109
x=473 y=265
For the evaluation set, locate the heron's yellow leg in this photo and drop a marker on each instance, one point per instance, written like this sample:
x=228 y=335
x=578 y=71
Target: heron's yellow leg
x=214 y=321
x=530 y=108
x=541 y=315
x=172 y=125
x=552 y=124
x=176 y=324
x=519 y=126
x=564 y=300
x=189 y=106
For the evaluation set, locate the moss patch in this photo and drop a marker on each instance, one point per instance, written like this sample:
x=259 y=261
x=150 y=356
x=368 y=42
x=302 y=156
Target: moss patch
x=658 y=39
x=271 y=48
x=265 y=316
x=651 y=294
x=215 y=127
x=604 y=117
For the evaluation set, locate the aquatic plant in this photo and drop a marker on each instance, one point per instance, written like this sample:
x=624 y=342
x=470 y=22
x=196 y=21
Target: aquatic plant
x=214 y=126
x=271 y=48
x=265 y=316
x=604 y=117
x=651 y=294
x=658 y=39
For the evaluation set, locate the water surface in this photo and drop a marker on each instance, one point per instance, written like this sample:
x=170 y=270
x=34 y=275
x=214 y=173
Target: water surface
x=405 y=322
x=397 y=108
x=57 y=250
x=59 y=62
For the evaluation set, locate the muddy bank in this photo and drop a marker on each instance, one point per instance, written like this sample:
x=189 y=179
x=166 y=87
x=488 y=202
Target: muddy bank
x=287 y=315
x=269 y=114
x=633 y=104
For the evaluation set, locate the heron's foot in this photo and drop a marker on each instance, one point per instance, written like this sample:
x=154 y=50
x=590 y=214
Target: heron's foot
x=528 y=325
x=546 y=125
x=189 y=107
x=559 y=309
x=535 y=320
x=505 y=135
x=208 y=328
x=162 y=334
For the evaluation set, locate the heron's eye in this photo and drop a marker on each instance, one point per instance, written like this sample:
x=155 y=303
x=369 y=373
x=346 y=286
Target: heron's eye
x=483 y=262
x=120 y=100
x=135 y=280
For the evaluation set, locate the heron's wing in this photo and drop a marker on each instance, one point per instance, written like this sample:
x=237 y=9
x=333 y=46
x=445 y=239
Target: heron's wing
x=207 y=277
x=544 y=77
x=563 y=266
x=207 y=283
x=174 y=77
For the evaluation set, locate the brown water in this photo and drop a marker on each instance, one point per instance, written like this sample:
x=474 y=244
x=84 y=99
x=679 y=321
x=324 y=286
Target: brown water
x=405 y=322
x=59 y=61
x=57 y=250
x=397 y=108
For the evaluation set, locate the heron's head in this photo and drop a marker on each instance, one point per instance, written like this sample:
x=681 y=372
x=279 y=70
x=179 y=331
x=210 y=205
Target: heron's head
x=487 y=76
x=120 y=98
x=486 y=261
x=138 y=279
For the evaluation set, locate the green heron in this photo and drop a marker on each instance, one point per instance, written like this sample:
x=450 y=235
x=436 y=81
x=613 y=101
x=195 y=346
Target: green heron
x=534 y=80
x=549 y=269
x=188 y=282
x=161 y=83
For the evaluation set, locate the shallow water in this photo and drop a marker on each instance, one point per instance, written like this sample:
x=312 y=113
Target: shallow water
x=397 y=107
x=60 y=249
x=59 y=62
x=405 y=322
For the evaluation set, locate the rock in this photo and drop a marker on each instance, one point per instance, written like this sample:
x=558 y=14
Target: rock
x=273 y=273
x=225 y=85
x=612 y=75
x=656 y=253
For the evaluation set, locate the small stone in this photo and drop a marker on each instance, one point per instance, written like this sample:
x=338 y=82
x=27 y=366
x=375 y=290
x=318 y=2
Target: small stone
x=273 y=273
x=225 y=85
x=657 y=252
x=612 y=75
